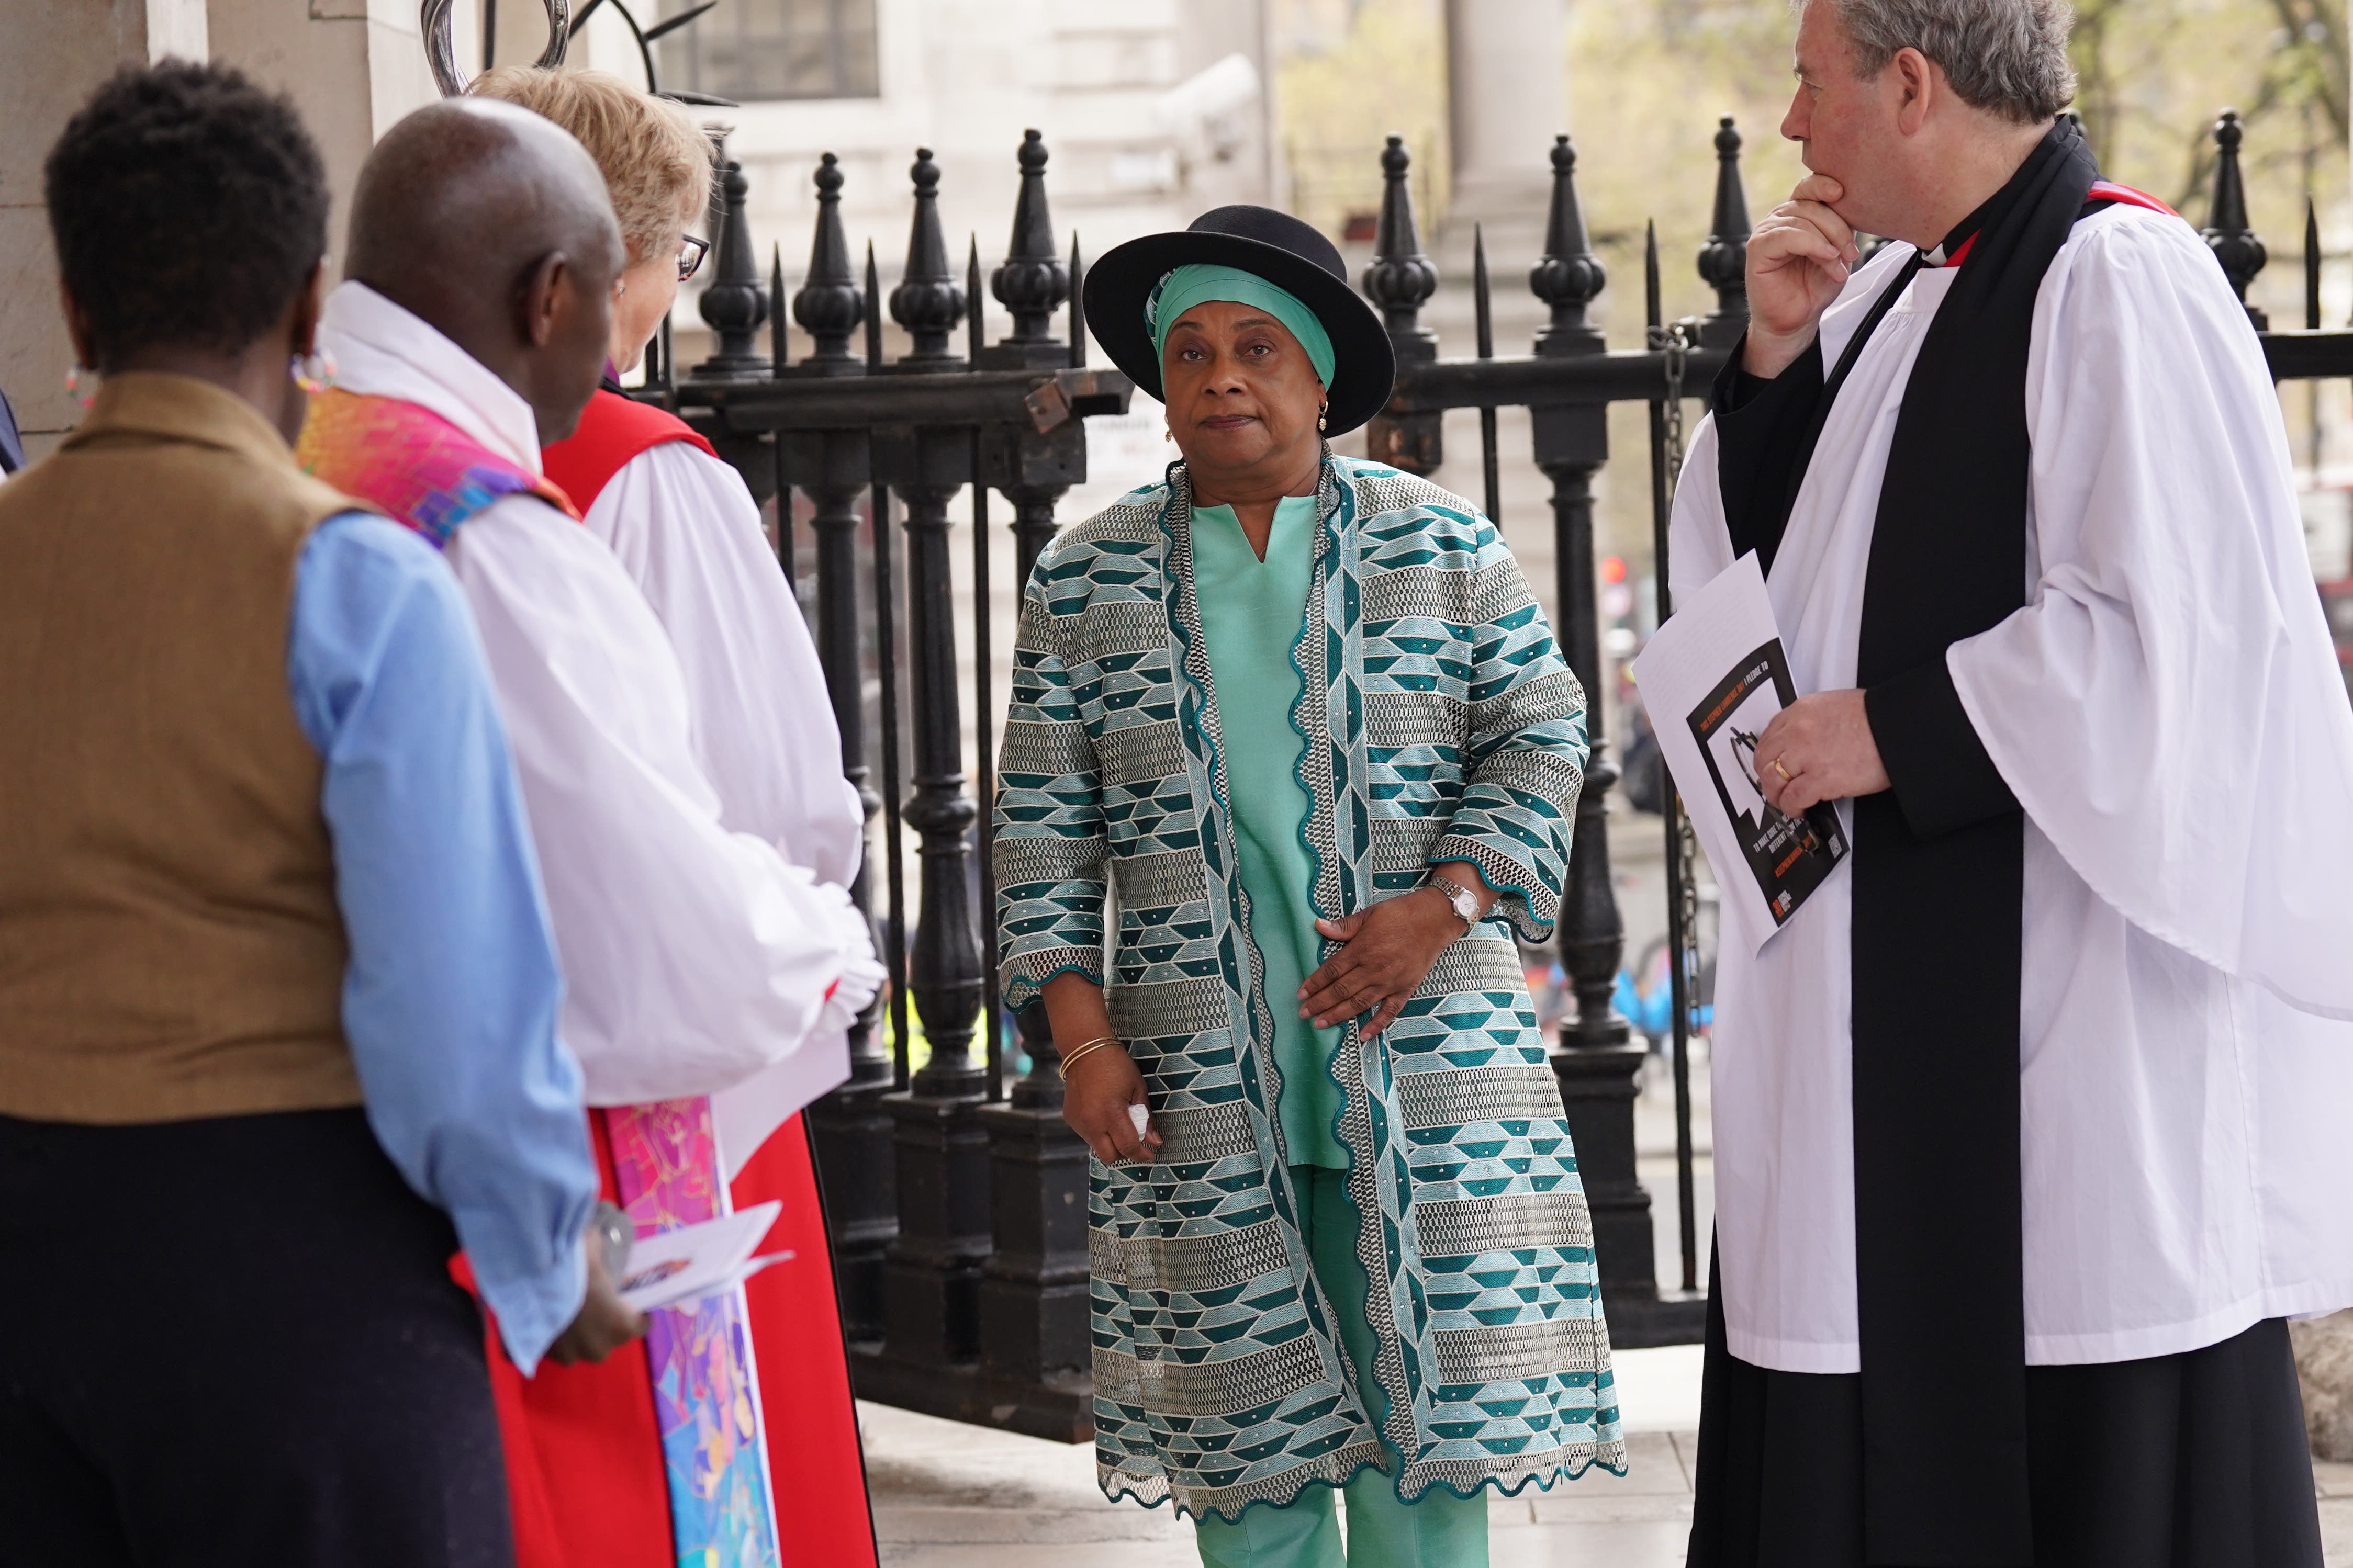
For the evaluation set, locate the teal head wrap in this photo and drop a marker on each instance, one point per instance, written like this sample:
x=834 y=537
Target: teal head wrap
x=1192 y=285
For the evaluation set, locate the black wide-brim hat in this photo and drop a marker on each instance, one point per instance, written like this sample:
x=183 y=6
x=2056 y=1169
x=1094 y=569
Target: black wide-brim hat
x=1275 y=246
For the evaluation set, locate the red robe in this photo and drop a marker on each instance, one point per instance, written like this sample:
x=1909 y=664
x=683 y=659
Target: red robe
x=584 y=1467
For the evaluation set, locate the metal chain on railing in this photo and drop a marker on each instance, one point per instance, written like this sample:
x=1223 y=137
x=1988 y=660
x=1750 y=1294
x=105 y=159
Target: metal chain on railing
x=1674 y=342
x=1677 y=340
x=1688 y=957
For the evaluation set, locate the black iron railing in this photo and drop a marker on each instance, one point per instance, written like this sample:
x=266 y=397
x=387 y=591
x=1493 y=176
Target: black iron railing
x=956 y=1197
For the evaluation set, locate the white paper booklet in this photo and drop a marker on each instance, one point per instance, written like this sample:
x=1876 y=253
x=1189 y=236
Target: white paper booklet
x=1712 y=678
x=672 y=1267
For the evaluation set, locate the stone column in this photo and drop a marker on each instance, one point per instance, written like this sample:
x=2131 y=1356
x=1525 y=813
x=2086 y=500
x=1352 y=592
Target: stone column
x=353 y=66
x=54 y=56
x=1507 y=98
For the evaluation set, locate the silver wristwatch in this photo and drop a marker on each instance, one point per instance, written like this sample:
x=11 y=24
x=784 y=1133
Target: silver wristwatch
x=1460 y=899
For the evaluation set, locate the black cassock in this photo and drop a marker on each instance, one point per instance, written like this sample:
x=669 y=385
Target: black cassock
x=1947 y=1450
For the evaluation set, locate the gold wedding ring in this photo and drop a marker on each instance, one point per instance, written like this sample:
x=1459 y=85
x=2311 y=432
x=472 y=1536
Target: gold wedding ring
x=1782 y=771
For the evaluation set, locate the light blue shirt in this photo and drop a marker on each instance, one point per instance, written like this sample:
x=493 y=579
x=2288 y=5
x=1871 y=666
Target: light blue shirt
x=451 y=998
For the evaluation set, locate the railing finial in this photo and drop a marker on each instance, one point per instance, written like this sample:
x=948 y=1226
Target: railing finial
x=2228 y=233
x=1570 y=276
x=1401 y=277
x=928 y=301
x=831 y=305
x=2312 y=260
x=1078 y=307
x=1033 y=282
x=735 y=304
x=776 y=347
x=1723 y=260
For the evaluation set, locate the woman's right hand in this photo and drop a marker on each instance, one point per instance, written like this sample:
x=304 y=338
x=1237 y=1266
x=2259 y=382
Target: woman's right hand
x=1102 y=1085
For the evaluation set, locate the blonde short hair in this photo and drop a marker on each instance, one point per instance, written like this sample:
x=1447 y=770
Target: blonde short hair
x=656 y=161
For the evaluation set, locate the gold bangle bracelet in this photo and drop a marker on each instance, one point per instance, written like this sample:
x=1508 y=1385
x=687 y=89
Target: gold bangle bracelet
x=1079 y=1052
x=1062 y=1071
x=1084 y=1046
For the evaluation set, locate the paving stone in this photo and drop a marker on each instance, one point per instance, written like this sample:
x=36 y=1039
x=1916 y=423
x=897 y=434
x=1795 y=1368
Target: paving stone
x=1658 y=1390
x=1125 y=1523
x=1618 y=1546
x=896 y=1431
x=2324 y=1364
x=952 y=1495
x=1141 y=1554
x=982 y=1480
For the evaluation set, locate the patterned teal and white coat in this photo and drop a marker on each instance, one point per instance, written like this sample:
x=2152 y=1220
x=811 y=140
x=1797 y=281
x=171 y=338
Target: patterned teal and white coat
x=1440 y=724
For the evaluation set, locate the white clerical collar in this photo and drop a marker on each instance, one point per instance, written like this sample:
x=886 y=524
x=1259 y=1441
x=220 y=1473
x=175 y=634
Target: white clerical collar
x=1959 y=253
x=382 y=350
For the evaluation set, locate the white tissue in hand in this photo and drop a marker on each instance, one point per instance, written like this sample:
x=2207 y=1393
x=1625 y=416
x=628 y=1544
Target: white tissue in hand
x=1138 y=1115
x=862 y=977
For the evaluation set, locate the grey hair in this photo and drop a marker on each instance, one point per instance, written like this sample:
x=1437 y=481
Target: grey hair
x=2004 y=56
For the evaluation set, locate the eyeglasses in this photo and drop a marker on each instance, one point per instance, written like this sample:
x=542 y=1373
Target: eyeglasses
x=690 y=257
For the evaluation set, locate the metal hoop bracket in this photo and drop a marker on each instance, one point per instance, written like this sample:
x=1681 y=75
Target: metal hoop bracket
x=442 y=53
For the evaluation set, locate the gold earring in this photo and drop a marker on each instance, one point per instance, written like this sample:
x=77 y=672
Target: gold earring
x=1319 y=414
x=1166 y=434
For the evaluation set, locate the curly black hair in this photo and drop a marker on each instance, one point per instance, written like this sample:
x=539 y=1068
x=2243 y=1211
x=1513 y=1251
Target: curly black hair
x=189 y=205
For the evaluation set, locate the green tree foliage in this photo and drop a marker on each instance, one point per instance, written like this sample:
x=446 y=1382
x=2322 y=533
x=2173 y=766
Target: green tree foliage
x=1353 y=72
x=2153 y=74
x=1647 y=79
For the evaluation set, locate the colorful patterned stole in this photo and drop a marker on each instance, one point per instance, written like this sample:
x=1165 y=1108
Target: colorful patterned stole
x=432 y=476
x=706 y=1389
x=408 y=461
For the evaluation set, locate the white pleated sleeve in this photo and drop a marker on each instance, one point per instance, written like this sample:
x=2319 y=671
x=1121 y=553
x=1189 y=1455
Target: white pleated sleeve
x=694 y=957
x=2168 y=707
x=687 y=532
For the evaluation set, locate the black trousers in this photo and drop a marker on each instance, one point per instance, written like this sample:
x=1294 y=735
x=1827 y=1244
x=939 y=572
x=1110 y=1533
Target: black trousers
x=235 y=1341
x=2195 y=1461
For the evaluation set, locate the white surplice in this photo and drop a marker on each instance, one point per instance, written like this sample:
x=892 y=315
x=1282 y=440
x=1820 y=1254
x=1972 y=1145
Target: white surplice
x=694 y=957
x=686 y=531
x=2166 y=709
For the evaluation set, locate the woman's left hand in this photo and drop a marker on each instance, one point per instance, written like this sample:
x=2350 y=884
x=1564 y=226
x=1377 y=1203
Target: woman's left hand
x=1389 y=950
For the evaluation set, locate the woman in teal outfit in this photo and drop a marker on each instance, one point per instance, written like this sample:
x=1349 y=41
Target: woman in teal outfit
x=1300 y=722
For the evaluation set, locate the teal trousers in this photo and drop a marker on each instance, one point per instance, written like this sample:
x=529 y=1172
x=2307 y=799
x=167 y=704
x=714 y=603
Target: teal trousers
x=1441 y=1530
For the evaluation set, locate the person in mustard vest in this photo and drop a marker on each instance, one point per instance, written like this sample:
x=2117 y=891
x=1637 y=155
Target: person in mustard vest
x=278 y=996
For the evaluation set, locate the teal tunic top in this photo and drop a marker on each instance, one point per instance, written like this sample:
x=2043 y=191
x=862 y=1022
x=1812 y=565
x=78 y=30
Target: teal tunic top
x=1252 y=612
